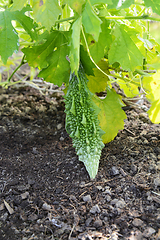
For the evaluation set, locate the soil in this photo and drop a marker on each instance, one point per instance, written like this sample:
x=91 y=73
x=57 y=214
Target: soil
x=46 y=193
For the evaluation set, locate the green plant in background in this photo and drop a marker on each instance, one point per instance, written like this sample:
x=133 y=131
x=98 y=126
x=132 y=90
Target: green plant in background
x=109 y=38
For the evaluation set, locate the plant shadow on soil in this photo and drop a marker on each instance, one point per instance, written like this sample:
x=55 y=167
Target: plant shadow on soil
x=46 y=193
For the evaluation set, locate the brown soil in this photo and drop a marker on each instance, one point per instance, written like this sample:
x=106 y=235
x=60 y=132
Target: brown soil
x=46 y=193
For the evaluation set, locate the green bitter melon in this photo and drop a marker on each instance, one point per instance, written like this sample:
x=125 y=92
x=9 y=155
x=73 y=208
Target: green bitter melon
x=82 y=122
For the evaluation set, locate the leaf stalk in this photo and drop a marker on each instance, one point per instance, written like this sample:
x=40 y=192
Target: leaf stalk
x=21 y=63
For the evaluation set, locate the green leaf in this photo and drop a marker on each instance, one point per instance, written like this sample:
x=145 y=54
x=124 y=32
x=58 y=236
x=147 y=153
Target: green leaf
x=154 y=4
x=18 y=5
x=91 y=22
x=124 y=50
x=111 y=116
x=97 y=49
x=8 y=36
x=98 y=82
x=46 y=12
x=74 y=55
x=113 y=5
x=36 y=55
x=86 y=61
x=76 y=5
x=126 y=4
x=26 y=22
x=51 y=56
x=93 y=2
x=58 y=70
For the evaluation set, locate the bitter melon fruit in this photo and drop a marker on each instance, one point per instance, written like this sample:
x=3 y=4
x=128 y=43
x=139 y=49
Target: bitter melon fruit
x=82 y=122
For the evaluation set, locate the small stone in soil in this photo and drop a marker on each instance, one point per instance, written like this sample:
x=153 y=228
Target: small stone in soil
x=95 y=209
x=98 y=223
x=114 y=171
x=88 y=221
x=157 y=182
x=24 y=195
x=59 y=126
x=148 y=232
x=137 y=222
x=114 y=201
x=99 y=188
x=4 y=217
x=32 y=217
x=1 y=206
x=108 y=198
x=120 y=204
x=46 y=206
x=87 y=198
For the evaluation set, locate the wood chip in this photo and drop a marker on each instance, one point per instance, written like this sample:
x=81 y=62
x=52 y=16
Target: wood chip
x=156 y=199
x=10 y=210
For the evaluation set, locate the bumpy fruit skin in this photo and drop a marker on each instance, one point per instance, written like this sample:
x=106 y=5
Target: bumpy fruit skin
x=82 y=122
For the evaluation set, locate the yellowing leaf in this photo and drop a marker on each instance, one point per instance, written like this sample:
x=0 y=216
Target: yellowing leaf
x=46 y=12
x=152 y=87
x=154 y=112
x=18 y=5
x=111 y=115
x=76 y=5
x=130 y=90
x=98 y=82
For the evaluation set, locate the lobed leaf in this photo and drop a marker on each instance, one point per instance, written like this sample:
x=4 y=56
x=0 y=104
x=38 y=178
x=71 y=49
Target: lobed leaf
x=111 y=115
x=154 y=112
x=25 y=21
x=126 y=4
x=36 y=55
x=124 y=50
x=58 y=70
x=91 y=22
x=46 y=12
x=93 y=2
x=8 y=36
x=18 y=5
x=97 y=49
x=154 y=4
x=130 y=89
x=76 y=5
x=152 y=88
x=99 y=81
x=51 y=57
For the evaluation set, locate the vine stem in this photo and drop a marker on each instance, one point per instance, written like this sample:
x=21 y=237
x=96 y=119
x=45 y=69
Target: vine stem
x=143 y=17
x=21 y=63
x=108 y=75
x=65 y=19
